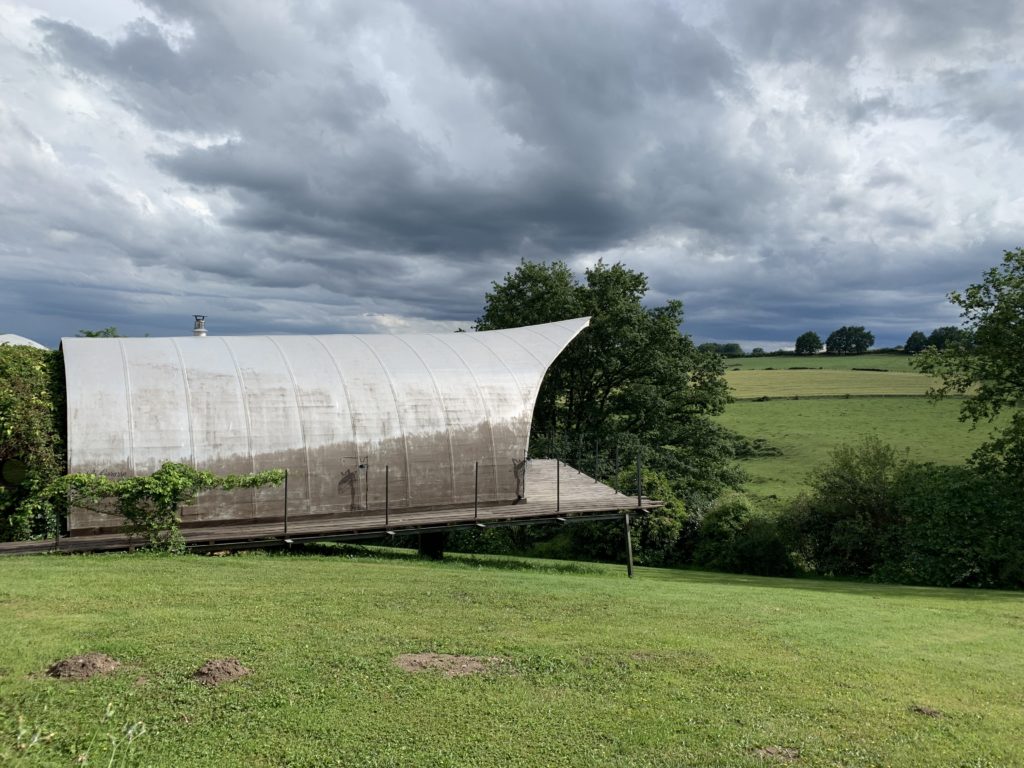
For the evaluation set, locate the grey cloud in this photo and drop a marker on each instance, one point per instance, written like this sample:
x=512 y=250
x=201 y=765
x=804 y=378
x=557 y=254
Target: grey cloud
x=781 y=167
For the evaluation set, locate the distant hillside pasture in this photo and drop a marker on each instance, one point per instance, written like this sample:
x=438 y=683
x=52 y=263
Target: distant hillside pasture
x=746 y=384
x=806 y=430
x=887 y=361
x=566 y=665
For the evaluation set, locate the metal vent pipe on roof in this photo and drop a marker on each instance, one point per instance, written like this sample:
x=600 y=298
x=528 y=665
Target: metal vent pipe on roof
x=200 y=326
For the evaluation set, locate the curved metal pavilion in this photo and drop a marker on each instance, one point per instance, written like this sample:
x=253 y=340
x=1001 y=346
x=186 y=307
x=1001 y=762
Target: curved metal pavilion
x=431 y=421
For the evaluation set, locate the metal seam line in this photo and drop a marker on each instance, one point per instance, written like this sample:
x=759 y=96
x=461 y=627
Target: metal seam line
x=441 y=401
x=128 y=400
x=348 y=402
x=245 y=410
x=67 y=412
x=530 y=400
x=298 y=414
x=398 y=413
x=486 y=404
x=188 y=412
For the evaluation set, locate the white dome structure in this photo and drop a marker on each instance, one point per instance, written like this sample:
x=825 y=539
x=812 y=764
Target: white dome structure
x=14 y=340
x=431 y=420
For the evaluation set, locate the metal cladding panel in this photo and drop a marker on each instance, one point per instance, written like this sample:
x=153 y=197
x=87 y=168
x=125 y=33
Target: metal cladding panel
x=160 y=430
x=99 y=442
x=340 y=412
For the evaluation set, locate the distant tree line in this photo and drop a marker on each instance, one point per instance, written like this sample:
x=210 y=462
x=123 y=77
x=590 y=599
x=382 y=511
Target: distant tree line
x=940 y=338
x=848 y=340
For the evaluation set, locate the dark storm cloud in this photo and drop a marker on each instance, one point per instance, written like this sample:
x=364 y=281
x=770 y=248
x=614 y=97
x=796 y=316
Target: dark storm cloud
x=778 y=165
x=574 y=97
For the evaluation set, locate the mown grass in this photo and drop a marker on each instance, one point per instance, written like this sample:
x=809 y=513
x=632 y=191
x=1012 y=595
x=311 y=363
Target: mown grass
x=669 y=669
x=806 y=430
x=886 y=361
x=825 y=383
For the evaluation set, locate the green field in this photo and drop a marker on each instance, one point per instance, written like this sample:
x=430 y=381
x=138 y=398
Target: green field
x=825 y=383
x=887 y=362
x=808 y=414
x=589 y=668
x=806 y=430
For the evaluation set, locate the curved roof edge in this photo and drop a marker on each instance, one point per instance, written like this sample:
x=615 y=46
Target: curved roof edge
x=14 y=340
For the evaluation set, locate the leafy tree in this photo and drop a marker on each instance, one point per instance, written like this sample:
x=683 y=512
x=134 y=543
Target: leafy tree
x=947 y=336
x=102 y=333
x=916 y=342
x=849 y=340
x=31 y=437
x=808 y=343
x=871 y=513
x=729 y=349
x=990 y=370
x=630 y=373
x=839 y=526
x=736 y=537
x=758 y=352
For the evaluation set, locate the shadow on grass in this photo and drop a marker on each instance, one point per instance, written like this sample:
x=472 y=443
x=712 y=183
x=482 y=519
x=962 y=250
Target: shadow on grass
x=496 y=562
x=685 y=575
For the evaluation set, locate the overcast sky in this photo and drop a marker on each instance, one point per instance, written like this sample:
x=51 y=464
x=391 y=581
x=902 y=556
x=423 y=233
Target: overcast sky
x=331 y=166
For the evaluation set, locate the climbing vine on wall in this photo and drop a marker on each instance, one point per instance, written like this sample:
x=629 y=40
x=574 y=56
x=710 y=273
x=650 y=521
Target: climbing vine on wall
x=151 y=505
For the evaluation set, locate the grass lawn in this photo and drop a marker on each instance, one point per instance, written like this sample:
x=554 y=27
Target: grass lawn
x=806 y=430
x=829 y=382
x=670 y=669
x=888 y=362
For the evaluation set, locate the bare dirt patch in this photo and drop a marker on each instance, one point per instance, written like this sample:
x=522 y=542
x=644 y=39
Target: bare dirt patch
x=83 y=667
x=782 y=754
x=446 y=664
x=220 y=671
x=920 y=709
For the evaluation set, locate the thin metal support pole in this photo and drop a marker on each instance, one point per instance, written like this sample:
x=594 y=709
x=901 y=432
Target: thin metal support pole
x=629 y=549
x=387 y=495
x=526 y=459
x=476 y=491
x=579 y=456
x=597 y=458
x=286 y=502
x=558 y=485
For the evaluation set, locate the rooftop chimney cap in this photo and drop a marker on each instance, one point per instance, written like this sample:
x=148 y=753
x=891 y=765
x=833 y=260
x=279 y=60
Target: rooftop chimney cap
x=200 y=327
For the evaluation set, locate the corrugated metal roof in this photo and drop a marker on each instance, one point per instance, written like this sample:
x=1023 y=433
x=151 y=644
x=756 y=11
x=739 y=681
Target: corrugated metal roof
x=335 y=410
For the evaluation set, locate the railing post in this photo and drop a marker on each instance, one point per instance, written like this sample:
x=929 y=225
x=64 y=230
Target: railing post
x=476 y=490
x=286 y=502
x=526 y=460
x=629 y=549
x=387 y=495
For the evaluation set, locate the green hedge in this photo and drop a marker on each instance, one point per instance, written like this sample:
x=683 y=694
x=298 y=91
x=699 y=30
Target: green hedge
x=32 y=452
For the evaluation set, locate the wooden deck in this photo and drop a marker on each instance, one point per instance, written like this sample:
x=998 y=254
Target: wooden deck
x=580 y=498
